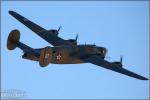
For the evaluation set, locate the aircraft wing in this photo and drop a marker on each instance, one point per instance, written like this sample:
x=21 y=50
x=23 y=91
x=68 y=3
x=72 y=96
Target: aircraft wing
x=108 y=65
x=43 y=33
x=34 y=27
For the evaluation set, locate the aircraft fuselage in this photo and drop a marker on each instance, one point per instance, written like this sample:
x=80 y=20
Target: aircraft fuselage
x=69 y=54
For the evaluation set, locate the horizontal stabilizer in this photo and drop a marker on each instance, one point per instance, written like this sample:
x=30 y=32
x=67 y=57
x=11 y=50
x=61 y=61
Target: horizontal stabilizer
x=13 y=42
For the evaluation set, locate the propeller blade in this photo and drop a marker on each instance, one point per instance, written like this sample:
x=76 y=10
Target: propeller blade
x=121 y=58
x=59 y=28
x=76 y=37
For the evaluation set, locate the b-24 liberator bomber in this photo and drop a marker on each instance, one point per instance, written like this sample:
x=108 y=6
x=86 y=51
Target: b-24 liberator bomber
x=63 y=51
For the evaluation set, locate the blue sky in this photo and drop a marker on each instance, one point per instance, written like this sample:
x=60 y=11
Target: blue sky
x=121 y=27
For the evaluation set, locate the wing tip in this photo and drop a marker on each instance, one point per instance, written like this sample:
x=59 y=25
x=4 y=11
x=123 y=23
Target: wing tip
x=141 y=77
x=144 y=78
x=11 y=12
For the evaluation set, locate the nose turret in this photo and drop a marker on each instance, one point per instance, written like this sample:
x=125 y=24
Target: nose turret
x=104 y=51
x=101 y=51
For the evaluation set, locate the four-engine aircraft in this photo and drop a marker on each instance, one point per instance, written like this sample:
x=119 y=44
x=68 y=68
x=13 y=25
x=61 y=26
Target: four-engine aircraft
x=63 y=51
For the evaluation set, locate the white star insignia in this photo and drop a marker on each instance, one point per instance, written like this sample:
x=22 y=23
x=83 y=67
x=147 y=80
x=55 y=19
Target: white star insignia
x=58 y=57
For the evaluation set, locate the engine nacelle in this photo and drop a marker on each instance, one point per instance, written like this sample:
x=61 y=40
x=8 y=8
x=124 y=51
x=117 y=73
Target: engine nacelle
x=53 y=31
x=45 y=56
x=118 y=63
x=72 y=41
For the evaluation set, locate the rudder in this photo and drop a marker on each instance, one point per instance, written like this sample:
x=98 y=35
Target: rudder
x=13 y=38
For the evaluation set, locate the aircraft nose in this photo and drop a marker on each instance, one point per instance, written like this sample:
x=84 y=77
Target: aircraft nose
x=105 y=51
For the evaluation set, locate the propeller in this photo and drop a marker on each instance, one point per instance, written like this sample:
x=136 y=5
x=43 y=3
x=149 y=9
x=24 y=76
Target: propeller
x=76 y=37
x=119 y=63
x=121 y=58
x=59 y=28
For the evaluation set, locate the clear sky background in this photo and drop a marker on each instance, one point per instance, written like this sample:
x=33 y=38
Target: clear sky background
x=121 y=27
